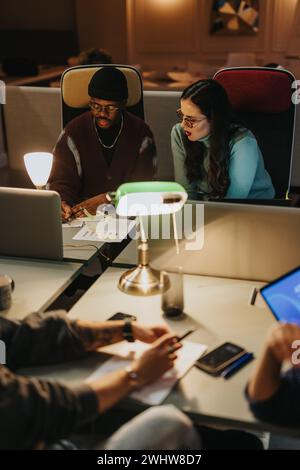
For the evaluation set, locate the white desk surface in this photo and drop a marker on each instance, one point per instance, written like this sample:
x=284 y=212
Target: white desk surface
x=37 y=283
x=218 y=308
x=78 y=250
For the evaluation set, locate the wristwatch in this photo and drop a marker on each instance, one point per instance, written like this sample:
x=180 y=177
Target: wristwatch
x=127 y=330
x=133 y=376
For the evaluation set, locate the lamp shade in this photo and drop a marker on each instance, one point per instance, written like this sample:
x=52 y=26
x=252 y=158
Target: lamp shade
x=38 y=166
x=149 y=198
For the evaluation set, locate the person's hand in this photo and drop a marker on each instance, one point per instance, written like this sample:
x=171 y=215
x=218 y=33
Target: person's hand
x=90 y=205
x=66 y=211
x=158 y=359
x=148 y=334
x=280 y=342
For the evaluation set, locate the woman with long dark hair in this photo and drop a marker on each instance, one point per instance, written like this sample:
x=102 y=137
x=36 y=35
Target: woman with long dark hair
x=215 y=157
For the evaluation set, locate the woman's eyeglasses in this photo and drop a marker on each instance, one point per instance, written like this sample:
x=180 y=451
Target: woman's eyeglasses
x=110 y=108
x=190 y=122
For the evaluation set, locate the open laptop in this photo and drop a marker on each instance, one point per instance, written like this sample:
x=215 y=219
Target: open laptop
x=237 y=241
x=30 y=223
x=283 y=297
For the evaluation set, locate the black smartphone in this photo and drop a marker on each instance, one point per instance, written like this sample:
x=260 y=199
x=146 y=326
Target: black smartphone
x=218 y=359
x=122 y=316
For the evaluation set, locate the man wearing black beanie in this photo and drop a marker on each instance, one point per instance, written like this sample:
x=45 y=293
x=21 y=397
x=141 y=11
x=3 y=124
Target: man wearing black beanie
x=102 y=148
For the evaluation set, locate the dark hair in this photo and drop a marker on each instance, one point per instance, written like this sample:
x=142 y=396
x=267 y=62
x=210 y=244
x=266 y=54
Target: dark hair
x=94 y=56
x=213 y=102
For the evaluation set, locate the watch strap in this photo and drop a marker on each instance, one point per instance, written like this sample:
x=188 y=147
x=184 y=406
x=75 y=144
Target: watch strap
x=127 y=330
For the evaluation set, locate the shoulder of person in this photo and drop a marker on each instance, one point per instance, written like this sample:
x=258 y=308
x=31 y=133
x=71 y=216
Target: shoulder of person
x=134 y=120
x=78 y=123
x=242 y=135
x=135 y=125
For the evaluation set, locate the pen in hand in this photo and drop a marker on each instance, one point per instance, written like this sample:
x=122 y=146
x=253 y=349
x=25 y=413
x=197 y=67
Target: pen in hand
x=180 y=338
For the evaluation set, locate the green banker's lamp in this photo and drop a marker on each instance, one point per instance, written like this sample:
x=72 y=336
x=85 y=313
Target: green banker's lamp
x=144 y=199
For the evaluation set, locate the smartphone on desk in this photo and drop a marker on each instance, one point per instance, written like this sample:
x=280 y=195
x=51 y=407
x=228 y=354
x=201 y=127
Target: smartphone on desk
x=218 y=359
x=121 y=316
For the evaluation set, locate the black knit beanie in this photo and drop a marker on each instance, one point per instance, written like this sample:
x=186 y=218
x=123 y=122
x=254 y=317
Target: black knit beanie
x=108 y=83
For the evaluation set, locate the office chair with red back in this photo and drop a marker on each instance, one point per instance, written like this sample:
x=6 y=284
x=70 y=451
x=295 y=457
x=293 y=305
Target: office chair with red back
x=74 y=90
x=262 y=99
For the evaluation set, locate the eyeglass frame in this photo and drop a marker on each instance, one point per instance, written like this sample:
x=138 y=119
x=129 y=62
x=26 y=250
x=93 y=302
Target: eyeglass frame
x=104 y=107
x=191 y=122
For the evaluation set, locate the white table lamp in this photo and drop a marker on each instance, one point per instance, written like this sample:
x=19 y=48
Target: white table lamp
x=144 y=199
x=38 y=166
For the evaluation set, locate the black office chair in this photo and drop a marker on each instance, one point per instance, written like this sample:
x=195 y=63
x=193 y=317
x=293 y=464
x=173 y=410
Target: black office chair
x=262 y=98
x=74 y=90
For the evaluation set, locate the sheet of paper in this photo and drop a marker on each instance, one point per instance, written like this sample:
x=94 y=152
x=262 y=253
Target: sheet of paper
x=75 y=223
x=156 y=392
x=110 y=229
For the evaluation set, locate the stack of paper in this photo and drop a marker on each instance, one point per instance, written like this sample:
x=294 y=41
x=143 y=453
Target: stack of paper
x=156 y=392
x=107 y=229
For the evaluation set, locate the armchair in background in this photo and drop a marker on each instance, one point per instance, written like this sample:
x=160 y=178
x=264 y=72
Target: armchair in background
x=74 y=90
x=262 y=99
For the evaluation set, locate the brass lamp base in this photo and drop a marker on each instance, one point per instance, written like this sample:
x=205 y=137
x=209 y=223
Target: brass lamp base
x=143 y=280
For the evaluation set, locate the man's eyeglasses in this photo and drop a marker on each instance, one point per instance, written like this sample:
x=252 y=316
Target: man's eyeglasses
x=110 y=108
x=190 y=122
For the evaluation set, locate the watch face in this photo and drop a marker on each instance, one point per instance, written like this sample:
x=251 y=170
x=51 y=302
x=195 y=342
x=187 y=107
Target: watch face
x=133 y=375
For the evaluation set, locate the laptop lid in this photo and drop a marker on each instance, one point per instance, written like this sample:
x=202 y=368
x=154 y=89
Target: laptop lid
x=30 y=223
x=283 y=297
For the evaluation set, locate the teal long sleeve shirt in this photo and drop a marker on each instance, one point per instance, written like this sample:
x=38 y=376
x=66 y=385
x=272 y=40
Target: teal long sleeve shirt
x=247 y=174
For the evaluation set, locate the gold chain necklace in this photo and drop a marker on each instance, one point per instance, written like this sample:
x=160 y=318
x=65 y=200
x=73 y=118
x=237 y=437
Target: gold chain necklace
x=115 y=141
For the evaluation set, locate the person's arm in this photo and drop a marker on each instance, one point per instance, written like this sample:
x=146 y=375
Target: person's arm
x=145 y=167
x=64 y=177
x=243 y=164
x=52 y=337
x=90 y=205
x=94 y=335
x=274 y=397
x=266 y=380
x=41 y=338
x=36 y=411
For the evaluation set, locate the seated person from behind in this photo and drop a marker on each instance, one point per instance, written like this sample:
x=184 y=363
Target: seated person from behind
x=215 y=157
x=91 y=56
x=273 y=395
x=102 y=148
x=37 y=414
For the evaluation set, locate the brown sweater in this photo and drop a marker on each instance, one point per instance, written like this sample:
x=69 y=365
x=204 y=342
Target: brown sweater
x=80 y=170
x=31 y=410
